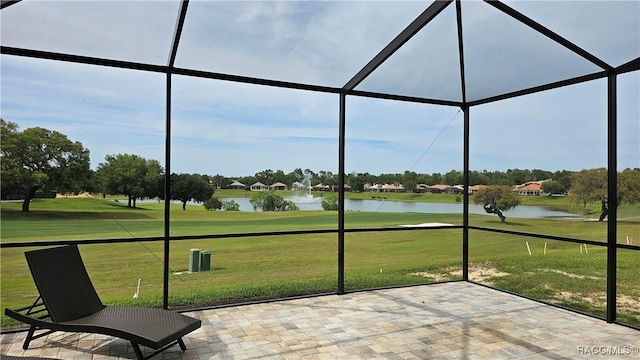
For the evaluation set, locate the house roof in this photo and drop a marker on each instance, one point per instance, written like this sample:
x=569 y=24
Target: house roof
x=531 y=187
x=392 y=187
x=440 y=187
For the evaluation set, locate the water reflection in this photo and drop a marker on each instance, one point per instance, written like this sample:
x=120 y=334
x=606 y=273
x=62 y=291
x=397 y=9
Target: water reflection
x=307 y=203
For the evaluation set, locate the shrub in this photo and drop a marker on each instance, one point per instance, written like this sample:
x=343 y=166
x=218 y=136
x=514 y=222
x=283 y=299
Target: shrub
x=270 y=201
x=330 y=203
x=213 y=203
x=230 y=205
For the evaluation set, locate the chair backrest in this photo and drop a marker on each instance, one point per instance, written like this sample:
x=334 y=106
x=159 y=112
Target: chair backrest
x=63 y=283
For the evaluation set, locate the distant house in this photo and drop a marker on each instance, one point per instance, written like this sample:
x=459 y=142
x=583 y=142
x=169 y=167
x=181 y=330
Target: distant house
x=298 y=186
x=530 y=188
x=320 y=187
x=476 y=188
x=392 y=188
x=236 y=185
x=278 y=186
x=347 y=187
x=373 y=188
x=421 y=188
x=440 y=189
x=258 y=187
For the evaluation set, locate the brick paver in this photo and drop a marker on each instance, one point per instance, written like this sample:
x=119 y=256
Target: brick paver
x=456 y=320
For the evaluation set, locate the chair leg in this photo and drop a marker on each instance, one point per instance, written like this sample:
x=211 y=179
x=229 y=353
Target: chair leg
x=27 y=340
x=136 y=349
x=140 y=356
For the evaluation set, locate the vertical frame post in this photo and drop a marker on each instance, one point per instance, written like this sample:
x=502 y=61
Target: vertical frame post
x=167 y=196
x=465 y=174
x=167 y=151
x=341 y=167
x=612 y=196
x=465 y=209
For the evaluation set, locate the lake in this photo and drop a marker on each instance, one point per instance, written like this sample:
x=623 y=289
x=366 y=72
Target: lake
x=308 y=203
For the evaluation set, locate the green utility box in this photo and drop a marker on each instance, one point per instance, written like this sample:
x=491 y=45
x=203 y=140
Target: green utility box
x=205 y=260
x=194 y=260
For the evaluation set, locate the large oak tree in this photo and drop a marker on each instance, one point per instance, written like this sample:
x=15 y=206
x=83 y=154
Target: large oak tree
x=131 y=175
x=190 y=187
x=41 y=159
x=591 y=185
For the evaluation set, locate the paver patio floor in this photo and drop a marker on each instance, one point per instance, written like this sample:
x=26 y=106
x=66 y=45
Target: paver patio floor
x=457 y=320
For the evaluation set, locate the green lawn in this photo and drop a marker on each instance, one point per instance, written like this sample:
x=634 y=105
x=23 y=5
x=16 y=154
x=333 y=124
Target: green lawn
x=246 y=268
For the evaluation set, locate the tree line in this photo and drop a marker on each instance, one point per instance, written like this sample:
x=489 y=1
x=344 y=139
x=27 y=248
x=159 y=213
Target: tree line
x=409 y=179
x=38 y=162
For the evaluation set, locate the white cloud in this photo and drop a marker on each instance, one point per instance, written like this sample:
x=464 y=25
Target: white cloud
x=323 y=42
x=138 y=31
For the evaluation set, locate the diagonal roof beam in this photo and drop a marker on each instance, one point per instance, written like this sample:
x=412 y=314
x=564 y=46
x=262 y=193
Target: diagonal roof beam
x=177 y=33
x=550 y=34
x=432 y=11
x=7 y=3
x=633 y=65
x=463 y=81
x=545 y=87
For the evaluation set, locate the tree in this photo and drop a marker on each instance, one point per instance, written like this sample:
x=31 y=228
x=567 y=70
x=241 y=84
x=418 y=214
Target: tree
x=218 y=180
x=563 y=177
x=40 y=159
x=409 y=185
x=518 y=176
x=279 y=176
x=270 y=201
x=131 y=175
x=629 y=186
x=212 y=203
x=356 y=181
x=553 y=187
x=537 y=174
x=265 y=177
x=189 y=187
x=478 y=178
x=453 y=177
x=409 y=181
x=497 y=199
x=298 y=174
x=435 y=178
x=591 y=185
x=230 y=205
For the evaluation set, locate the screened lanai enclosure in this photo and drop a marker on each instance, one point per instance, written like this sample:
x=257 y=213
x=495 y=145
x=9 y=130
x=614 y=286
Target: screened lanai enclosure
x=345 y=88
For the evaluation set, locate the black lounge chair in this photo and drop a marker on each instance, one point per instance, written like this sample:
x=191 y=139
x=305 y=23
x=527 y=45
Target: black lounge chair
x=69 y=302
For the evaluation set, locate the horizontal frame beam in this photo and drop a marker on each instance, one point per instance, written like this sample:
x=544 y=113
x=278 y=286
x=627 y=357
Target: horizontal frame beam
x=48 y=55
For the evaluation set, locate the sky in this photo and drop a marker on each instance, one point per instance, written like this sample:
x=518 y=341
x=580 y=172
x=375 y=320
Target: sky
x=235 y=129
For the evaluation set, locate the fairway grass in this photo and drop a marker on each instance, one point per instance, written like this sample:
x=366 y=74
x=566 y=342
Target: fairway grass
x=251 y=268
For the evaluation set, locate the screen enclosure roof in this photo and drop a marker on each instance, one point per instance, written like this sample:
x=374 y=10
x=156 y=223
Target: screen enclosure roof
x=448 y=52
